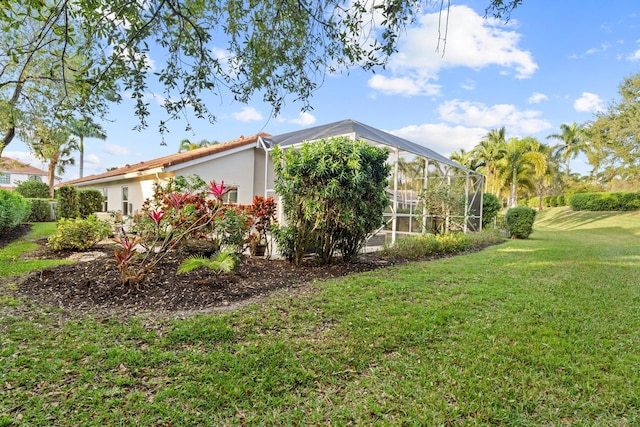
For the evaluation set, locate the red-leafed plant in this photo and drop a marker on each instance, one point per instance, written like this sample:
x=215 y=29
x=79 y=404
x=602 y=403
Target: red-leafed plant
x=263 y=212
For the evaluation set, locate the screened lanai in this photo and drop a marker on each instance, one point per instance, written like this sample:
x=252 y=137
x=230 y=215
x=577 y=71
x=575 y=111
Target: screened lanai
x=428 y=192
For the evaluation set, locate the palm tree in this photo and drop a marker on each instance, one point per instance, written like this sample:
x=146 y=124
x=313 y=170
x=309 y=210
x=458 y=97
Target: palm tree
x=54 y=146
x=489 y=151
x=466 y=159
x=571 y=146
x=519 y=165
x=187 y=145
x=85 y=128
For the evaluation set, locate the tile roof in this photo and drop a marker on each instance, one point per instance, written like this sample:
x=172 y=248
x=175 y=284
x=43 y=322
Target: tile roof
x=13 y=166
x=173 y=159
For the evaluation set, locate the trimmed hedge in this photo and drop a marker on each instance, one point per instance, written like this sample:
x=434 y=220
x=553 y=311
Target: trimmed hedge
x=40 y=210
x=67 y=198
x=89 y=202
x=13 y=209
x=520 y=222
x=622 y=201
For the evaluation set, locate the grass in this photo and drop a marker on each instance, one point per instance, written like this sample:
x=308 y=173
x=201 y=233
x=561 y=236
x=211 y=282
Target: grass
x=537 y=332
x=10 y=262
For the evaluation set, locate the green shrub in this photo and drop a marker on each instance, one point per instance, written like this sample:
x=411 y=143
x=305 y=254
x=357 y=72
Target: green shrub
x=67 y=197
x=561 y=200
x=520 y=222
x=89 y=202
x=333 y=193
x=285 y=238
x=533 y=202
x=553 y=201
x=13 y=209
x=546 y=201
x=78 y=234
x=605 y=201
x=40 y=210
x=33 y=189
x=416 y=247
x=490 y=208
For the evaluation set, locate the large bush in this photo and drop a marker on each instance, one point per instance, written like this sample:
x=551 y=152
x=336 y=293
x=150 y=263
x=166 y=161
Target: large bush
x=333 y=194
x=40 y=210
x=89 y=202
x=33 y=189
x=490 y=208
x=520 y=222
x=13 y=209
x=605 y=201
x=78 y=234
x=67 y=198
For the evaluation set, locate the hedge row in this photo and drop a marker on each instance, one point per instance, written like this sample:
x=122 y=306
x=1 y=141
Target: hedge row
x=78 y=204
x=547 y=201
x=13 y=209
x=605 y=201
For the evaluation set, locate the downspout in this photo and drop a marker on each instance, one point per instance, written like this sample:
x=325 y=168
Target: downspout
x=266 y=163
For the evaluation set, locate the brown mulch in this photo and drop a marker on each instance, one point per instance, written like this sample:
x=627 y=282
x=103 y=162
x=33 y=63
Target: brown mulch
x=95 y=285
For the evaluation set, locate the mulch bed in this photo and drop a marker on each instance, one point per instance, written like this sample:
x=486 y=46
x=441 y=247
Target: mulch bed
x=96 y=286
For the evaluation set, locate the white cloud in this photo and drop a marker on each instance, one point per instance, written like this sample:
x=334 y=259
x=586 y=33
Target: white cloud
x=471 y=41
x=516 y=122
x=304 y=119
x=247 y=114
x=442 y=138
x=405 y=86
x=468 y=84
x=117 y=150
x=602 y=48
x=537 y=97
x=634 y=56
x=588 y=103
x=91 y=160
x=25 y=157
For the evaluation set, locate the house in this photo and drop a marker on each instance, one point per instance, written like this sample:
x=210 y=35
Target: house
x=246 y=167
x=12 y=172
x=239 y=163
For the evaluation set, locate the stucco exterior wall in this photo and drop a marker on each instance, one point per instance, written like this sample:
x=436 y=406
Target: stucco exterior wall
x=235 y=169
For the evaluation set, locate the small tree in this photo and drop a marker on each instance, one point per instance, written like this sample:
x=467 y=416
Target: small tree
x=33 y=189
x=333 y=194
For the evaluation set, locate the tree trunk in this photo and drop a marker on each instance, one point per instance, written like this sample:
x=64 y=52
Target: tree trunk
x=514 y=193
x=81 y=156
x=51 y=172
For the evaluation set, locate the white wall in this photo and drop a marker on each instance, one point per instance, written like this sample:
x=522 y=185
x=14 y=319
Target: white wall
x=236 y=169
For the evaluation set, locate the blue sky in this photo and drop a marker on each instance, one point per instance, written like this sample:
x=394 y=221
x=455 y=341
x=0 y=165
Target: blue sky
x=554 y=62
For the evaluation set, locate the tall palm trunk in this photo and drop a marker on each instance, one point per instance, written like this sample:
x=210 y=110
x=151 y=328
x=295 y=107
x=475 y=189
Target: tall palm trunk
x=514 y=193
x=51 y=173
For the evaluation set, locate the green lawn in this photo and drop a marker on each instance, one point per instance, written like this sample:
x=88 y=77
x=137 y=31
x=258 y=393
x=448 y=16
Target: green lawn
x=10 y=262
x=538 y=332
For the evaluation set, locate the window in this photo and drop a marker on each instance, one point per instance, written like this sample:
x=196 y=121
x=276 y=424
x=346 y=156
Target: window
x=5 y=178
x=36 y=178
x=125 y=201
x=105 y=199
x=231 y=196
